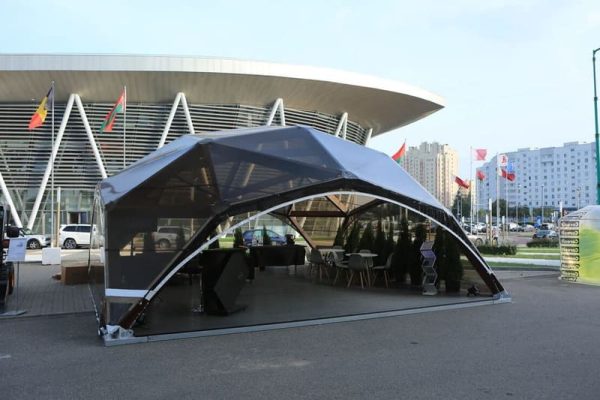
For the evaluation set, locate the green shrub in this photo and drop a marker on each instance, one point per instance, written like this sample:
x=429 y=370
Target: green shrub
x=238 y=238
x=266 y=239
x=402 y=258
x=367 y=241
x=506 y=249
x=339 y=237
x=352 y=239
x=545 y=242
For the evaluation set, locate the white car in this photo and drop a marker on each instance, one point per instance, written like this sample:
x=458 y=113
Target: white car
x=166 y=237
x=74 y=235
x=34 y=241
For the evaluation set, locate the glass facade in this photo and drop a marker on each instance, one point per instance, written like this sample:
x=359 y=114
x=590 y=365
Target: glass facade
x=24 y=154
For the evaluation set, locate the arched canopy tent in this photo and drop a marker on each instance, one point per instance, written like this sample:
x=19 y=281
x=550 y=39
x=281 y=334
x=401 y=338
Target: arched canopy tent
x=205 y=179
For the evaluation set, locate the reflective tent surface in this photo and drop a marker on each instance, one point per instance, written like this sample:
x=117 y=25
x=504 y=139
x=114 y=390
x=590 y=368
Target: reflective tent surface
x=157 y=216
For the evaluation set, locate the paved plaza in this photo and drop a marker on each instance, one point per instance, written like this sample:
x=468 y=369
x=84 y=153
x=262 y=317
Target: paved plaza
x=542 y=345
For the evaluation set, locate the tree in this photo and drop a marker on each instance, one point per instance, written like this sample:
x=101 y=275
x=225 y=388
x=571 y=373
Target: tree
x=439 y=249
x=353 y=239
x=367 y=241
x=454 y=268
x=414 y=269
x=266 y=239
x=238 y=238
x=339 y=237
x=402 y=258
x=379 y=245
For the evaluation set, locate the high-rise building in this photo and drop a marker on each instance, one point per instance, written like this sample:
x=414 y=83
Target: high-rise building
x=546 y=176
x=434 y=166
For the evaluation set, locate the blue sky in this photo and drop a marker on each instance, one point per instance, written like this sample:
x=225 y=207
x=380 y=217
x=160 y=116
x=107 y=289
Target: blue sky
x=514 y=73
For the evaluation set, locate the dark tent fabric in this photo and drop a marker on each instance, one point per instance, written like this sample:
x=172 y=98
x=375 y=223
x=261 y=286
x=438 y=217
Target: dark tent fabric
x=205 y=179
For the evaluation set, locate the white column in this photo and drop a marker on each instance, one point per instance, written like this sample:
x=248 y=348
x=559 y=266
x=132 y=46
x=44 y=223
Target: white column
x=186 y=111
x=342 y=126
x=9 y=200
x=88 y=130
x=61 y=132
x=278 y=105
x=163 y=138
x=369 y=133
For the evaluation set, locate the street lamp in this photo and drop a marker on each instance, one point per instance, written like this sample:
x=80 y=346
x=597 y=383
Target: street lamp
x=542 y=204
x=517 y=206
x=596 y=123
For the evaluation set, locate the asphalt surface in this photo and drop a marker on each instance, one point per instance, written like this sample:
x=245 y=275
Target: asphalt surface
x=544 y=345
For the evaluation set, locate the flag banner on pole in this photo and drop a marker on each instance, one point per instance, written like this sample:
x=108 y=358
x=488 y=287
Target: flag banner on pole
x=502 y=160
x=480 y=154
x=461 y=183
x=38 y=118
x=511 y=176
x=400 y=153
x=109 y=120
x=480 y=175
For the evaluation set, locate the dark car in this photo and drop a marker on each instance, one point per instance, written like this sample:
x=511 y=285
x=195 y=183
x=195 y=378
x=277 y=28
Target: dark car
x=253 y=237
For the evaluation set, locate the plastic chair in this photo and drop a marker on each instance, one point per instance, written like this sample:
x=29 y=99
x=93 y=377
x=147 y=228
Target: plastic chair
x=385 y=269
x=340 y=266
x=356 y=264
x=317 y=263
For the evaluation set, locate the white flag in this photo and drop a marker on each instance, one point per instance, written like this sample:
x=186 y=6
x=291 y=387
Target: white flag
x=502 y=160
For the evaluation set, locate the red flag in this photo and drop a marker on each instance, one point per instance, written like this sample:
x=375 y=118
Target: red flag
x=511 y=176
x=400 y=153
x=480 y=175
x=118 y=108
x=480 y=154
x=461 y=183
x=38 y=118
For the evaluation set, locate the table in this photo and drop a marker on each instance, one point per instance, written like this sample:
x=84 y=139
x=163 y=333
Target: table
x=263 y=256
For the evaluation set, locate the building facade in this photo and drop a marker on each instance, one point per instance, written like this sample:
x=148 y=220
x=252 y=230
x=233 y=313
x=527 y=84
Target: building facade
x=166 y=97
x=548 y=177
x=434 y=166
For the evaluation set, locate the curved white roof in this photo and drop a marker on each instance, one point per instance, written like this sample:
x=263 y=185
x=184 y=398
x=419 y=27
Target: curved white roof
x=372 y=102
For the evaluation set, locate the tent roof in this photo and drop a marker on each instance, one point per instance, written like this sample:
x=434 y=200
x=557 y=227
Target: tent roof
x=338 y=157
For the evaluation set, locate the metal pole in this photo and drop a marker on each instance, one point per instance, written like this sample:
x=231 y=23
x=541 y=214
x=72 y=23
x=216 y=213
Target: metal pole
x=497 y=193
x=52 y=229
x=124 y=122
x=596 y=124
x=542 y=204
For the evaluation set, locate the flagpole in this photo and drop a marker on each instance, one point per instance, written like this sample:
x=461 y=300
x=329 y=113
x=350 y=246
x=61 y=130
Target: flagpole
x=52 y=221
x=470 y=187
x=124 y=123
x=497 y=196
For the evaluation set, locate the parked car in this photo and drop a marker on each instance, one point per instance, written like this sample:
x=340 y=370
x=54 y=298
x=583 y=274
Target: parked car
x=74 y=235
x=253 y=236
x=34 y=240
x=525 y=228
x=545 y=233
x=167 y=236
x=477 y=241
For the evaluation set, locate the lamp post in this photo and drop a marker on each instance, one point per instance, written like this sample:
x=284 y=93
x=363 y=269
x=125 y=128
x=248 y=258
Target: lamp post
x=542 y=204
x=596 y=124
x=517 y=205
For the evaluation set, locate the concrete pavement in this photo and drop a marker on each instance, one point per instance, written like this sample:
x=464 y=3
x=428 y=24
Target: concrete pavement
x=543 y=345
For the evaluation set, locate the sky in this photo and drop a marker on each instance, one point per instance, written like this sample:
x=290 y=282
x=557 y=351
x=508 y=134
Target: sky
x=514 y=74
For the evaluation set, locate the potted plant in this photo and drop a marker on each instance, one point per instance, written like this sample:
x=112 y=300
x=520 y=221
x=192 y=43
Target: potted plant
x=454 y=268
x=367 y=240
x=439 y=249
x=402 y=253
x=238 y=238
x=266 y=239
x=415 y=271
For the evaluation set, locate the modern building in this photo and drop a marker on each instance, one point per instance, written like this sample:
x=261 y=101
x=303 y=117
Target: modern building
x=434 y=166
x=544 y=177
x=166 y=97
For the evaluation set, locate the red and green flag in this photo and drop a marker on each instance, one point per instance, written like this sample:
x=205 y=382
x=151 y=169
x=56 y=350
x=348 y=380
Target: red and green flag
x=118 y=108
x=400 y=153
x=38 y=118
x=480 y=175
x=461 y=183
